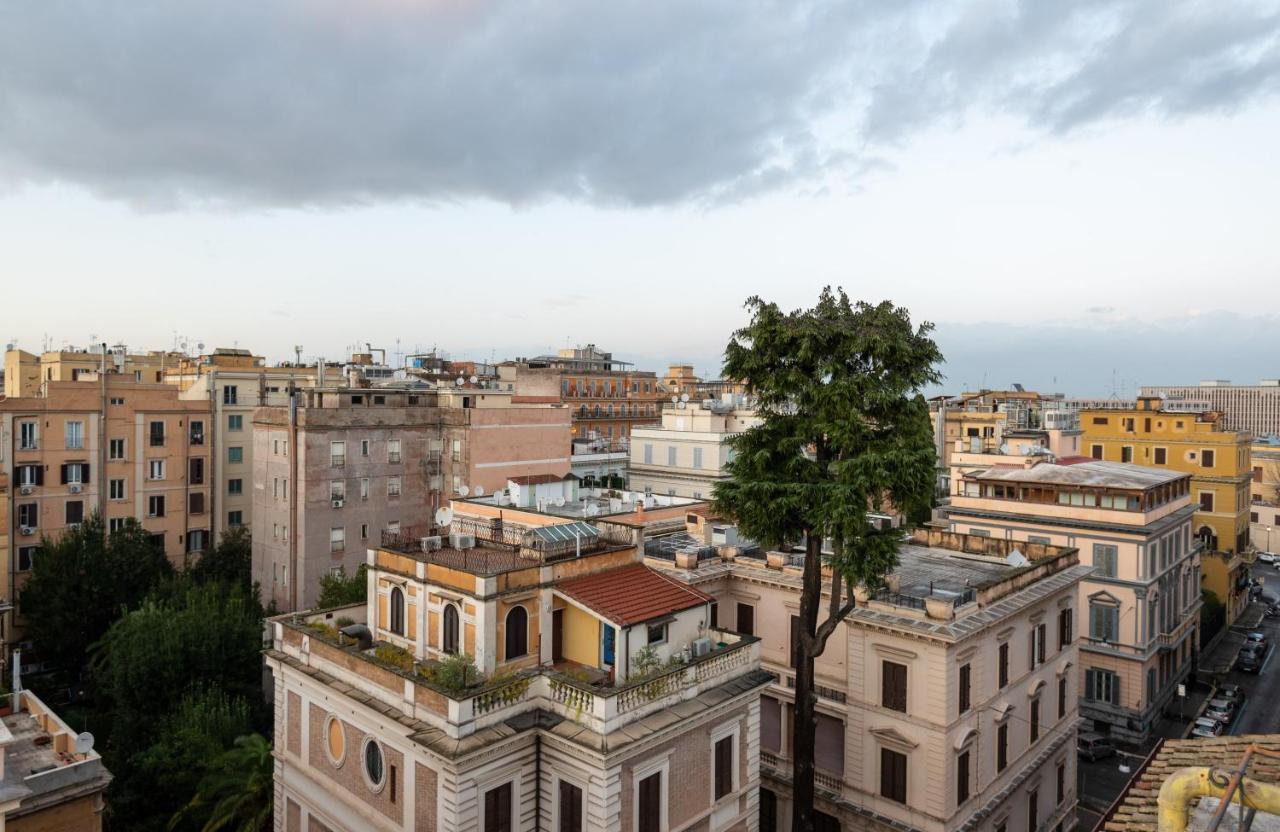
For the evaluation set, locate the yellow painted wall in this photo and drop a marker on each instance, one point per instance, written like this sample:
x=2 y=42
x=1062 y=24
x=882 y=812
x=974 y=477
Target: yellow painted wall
x=581 y=642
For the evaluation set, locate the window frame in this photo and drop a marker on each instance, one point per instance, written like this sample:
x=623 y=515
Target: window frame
x=732 y=733
x=661 y=767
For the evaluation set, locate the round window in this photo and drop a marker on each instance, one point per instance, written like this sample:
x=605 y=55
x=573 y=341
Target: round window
x=335 y=741
x=374 y=770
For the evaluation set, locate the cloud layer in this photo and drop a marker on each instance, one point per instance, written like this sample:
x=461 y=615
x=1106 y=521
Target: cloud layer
x=330 y=102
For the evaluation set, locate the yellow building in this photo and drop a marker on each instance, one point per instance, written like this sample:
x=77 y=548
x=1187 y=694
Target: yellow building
x=1217 y=459
x=1264 y=494
x=25 y=372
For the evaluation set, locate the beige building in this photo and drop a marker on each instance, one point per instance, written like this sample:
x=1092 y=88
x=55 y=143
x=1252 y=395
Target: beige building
x=685 y=456
x=115 y=446
x=946 y=701
x=380 y=459
x=25 y=373
x=1264 y=494
x=50 y=779
x=1140 y=608
x=1254 y=408
x=602 y=698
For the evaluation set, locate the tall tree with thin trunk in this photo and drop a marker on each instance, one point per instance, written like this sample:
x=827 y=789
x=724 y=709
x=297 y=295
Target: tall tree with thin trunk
x=844 y=430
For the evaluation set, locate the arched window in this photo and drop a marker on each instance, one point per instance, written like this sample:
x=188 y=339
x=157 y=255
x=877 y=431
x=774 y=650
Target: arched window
x=450 y=638
x=397 y=611
x=1208 y=538
x=517 y=632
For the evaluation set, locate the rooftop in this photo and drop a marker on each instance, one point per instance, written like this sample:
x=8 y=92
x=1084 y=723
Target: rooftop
x=591 y=503
x=1092 y=472
x=500 y=550
x=41 y=764
x=632 y=595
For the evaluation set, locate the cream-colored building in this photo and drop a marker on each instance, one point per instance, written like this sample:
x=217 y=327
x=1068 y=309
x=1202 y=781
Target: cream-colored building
x=685 y=456
x=1264 y=494
x=25 y=372
x=1140 y=607
x=946 y=701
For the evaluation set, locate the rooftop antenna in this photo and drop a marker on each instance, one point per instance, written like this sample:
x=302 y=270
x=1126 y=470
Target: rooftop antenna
x=297 y=354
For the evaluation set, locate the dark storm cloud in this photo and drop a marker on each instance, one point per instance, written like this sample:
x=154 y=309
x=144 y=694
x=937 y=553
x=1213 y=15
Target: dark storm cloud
x=315 y=102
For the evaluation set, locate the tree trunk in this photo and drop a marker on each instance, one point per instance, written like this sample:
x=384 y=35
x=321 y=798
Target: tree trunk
x=805 y=725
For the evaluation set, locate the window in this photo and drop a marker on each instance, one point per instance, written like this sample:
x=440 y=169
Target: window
x=397 y=610
x=26 y=556
x=1206 y=501
x=155 y=469
x=980 y=532
x=235 y=422
x=1064 y=628
x=235 y=519
x=697 y=457
x=337 y=539
x=75 y=512
x=27 y=515
x=671 y=455
x=1126 y=453
x=1061 y=791
x=155 y=505
x=1035 y=719
x=393 y=450
x=456 y=451
x=235 y=454
x=1036 y=647
x=364 y=447
x=1002 y=747
x=569 y=808
x=768 y=811
x=115 y=489
x=1161 y=456
x=229 y=394
x=1062 y=697
x=822 y=822
x=724 y=766
x=965 y=680
x=1206 y=458
x=962 y=777
x=1003 y=667
x=449 y=636
x=337 y=489
x=1104 y=622
x=393 y=486
x=156 y=435
x=893 y=686
x=337 y=453
x=517 y=635
x=374 y=765
x=29 y=436
x=364 y=488
x=235 y=486
x=1104 y=559
x=75 y=473
x=197 y=539
x=893 y=775
x=649 y=809
x=75 y=435
x=195 y=503
x=1102 y=686
x=648 y=454
x=1100 y=420
x=1033 y=810
x=196 y=432
x=746 y=619
x=115 y=449
x=196 y=471
x=657 y=633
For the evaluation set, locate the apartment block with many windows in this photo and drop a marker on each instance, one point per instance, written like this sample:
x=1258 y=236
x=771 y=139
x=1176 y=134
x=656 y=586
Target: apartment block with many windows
x=946 y=700
x=685 y=456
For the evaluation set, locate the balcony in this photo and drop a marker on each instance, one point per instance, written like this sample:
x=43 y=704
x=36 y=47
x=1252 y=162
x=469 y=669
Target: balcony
x=399 y=680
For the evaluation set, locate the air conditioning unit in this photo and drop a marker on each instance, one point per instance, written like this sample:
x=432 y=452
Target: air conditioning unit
x=701 y=646
x=339 y=503
x=462 y=541
x=27 y=489
x=71 y=526
x=26 y=530
x=74 y=488
x=430 y=544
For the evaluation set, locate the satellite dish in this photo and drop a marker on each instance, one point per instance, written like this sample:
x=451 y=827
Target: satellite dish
x=200 y=346
x=463 y=490
x=559 y=501
x=675 y=399
x=459 y=381
x=444 y=516
x=1016 y=558
x=592 y=509
x=684 y=397
x=84 y=742
x=479 y=489
x=472 y=379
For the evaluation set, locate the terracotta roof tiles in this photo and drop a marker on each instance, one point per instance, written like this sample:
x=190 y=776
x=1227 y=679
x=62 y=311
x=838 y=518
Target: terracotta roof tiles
x=632 y=595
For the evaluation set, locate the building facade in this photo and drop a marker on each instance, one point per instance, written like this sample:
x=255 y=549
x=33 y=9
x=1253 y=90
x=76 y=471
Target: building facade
x=1253 y=408
x=26 y=372
x=600 y=697
x=1264 y=494
x=1140 y=609
x=685 y=456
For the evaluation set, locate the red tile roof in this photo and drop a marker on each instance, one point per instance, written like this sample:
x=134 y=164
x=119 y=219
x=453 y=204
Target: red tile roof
x=1075 y=460
x=632 y=595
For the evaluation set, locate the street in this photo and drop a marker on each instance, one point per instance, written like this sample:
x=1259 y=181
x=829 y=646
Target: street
x=1102 y=781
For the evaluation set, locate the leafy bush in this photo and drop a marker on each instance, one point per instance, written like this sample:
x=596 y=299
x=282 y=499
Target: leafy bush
x=394 y=656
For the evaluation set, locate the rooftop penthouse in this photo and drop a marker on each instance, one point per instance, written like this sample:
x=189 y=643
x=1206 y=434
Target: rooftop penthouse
x=1077 y=483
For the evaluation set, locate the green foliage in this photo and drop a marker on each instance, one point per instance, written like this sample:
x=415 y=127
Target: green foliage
x=343 y=621
x=1213 y=615
x=844 y=428
x=340 y=591
x=235 y=795
x=394 y=656
x=82 y=583
x=202 y=727
x=231 y=561
x=645 y=662
x=455 y=673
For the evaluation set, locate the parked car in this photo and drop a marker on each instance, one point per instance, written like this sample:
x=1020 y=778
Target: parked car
x=1221 y=712
x=1232 y=693
x=1249 y=661
x=1266 y=557
x=1207 y=727
x=1255 y=637
x=1093 y=747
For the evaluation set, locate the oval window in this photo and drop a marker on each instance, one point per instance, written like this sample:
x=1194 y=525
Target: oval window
x=374 y=770
x=335 y=741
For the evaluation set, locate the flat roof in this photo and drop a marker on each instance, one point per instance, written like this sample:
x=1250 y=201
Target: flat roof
x=924 y=571
x=1094 y=472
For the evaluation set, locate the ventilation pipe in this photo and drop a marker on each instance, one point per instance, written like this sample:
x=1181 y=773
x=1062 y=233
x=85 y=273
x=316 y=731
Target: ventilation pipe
x=1187 y=784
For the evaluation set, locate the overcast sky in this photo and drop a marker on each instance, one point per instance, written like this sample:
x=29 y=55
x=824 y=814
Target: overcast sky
x=1083 y=196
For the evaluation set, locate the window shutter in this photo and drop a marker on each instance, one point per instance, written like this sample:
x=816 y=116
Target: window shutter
x=1040 y=640
x=39 y=475
x=1088 y=684
x=84 y=474
x=1115 y=689
x=63 y=468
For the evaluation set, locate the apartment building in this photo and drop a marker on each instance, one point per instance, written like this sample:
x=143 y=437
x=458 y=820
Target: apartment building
x=979 y=422
x=946 y=700
x=25 y=372
x=339 y=466
x=601 y=699
x=233 y=383
x=686 y=455
x=115 y=446
x=607 y=397
x=1133 y=526
x=1264 y=493
x=50 y=777
x=1251 y=408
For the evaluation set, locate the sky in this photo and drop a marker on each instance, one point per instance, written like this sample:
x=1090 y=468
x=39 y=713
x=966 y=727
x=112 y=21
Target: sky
x=1081 y=196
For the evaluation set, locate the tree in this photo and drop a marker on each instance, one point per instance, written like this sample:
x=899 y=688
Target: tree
x=230 y=561
x=844 y=429
x=82 y=582
x=340 y=591
x=237 y=791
